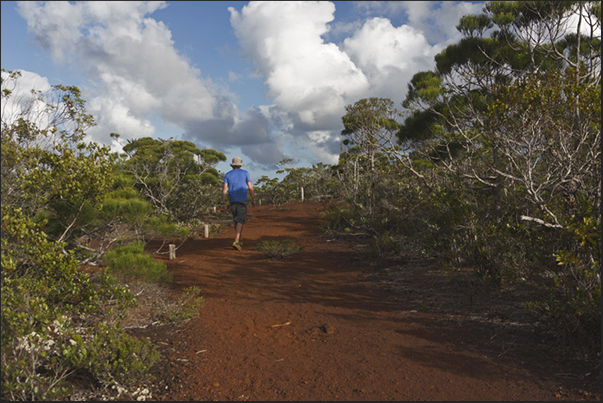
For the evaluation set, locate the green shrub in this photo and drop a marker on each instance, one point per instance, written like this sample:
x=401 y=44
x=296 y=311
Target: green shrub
x=35 y=346
x=389 y=243
x=574 y=306
x=127 y=205
x=161 y=227
x=46 y=300
x=279 y=250
x=131 y=262
x=338 y=217
x=188 y=305
x=196 y=227
x=115 y=357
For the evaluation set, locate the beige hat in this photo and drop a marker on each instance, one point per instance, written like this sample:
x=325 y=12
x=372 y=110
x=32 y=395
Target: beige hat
x=236 y=162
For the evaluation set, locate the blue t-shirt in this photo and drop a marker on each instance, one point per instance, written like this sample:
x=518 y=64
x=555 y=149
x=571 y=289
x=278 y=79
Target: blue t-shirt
x=237 y=185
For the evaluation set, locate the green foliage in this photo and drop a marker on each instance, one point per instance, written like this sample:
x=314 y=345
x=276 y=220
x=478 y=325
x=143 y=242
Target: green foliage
x=35 y=364
x=163 y=228
x=268 y=189
x=115 y=357
x=196 y=228
x=188 y=305
x=44 y=297
x=503 y=138
x=58 y=179
x=419 y=125
x=366 y=119
x=63 y=183
x=425 y=86
x=179 y=179
x=195 y=197
x=338 y=217
x=61 y=196
x=279 y=250
x=43 y=156
x=125 y=205
x=131 y=262
x=575 y=302
x=64 y=172
x=26 y=253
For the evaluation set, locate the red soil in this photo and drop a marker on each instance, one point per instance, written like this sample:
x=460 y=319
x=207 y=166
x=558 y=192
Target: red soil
x=327 y=324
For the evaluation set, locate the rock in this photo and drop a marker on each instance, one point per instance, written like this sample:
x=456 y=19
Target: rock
x=326 y=328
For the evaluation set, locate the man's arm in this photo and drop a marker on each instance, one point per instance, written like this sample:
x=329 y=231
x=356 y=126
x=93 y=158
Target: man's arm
x=251 y=191
x=224 y=193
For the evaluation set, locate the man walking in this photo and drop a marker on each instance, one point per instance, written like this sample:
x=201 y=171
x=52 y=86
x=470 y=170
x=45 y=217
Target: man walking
x=236 y=183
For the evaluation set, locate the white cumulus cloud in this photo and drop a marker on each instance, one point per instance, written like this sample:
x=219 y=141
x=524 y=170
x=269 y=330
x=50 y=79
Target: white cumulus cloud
x=389 y=55
x=304 y=75
x=130 y=60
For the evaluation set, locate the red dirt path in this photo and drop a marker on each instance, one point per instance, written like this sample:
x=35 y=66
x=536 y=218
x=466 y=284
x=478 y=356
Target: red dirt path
x=321 y=326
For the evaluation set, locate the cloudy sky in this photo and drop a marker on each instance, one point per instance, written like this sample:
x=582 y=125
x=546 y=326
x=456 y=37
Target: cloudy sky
x=259 y=80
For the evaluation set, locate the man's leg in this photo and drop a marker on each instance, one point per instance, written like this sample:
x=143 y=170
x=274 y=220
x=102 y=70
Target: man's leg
x=238 y=231
x=239 y=216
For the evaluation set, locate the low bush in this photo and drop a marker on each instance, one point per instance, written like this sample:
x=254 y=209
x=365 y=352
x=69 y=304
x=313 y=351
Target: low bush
x=279 y=250
x=115 y=358
x=53 y=319
x=131 y=262
x=188 y=305
x=339 y=217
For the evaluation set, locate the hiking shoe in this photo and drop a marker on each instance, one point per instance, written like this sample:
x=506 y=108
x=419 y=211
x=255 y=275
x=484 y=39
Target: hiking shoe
x=237 y=245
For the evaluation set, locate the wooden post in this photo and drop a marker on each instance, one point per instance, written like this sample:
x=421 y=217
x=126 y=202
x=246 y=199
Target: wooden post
x=206 y=228
x=302 y=193
x=172 y=251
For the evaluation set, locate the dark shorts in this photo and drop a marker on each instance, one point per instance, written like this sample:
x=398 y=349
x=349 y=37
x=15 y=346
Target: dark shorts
x=239 y=212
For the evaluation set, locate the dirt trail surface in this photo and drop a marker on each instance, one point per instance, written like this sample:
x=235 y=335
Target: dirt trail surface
x=328 y=324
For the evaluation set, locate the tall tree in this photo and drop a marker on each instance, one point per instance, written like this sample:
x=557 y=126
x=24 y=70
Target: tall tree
x=48 y=171
x=509 y=43
x=174 y=175
x=371 y=125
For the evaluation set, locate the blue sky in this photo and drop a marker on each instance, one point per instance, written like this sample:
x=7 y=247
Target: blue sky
x=259 y=80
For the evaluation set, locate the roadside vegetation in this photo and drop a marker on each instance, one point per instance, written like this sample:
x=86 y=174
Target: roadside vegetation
x=276 y=250
x=493 y=163
x=75 y=223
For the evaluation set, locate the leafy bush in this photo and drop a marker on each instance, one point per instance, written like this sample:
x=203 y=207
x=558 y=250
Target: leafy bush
x=461 y=227
x=317 y=182
x=127 y=205
x=574 y=306
x=279 y=250
x=188 y=305
x=131 y=262
x=115 y=357
x=64 y=202
x=338 y=216
x=194 y=198
x=47 y=305
x=161 y=227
